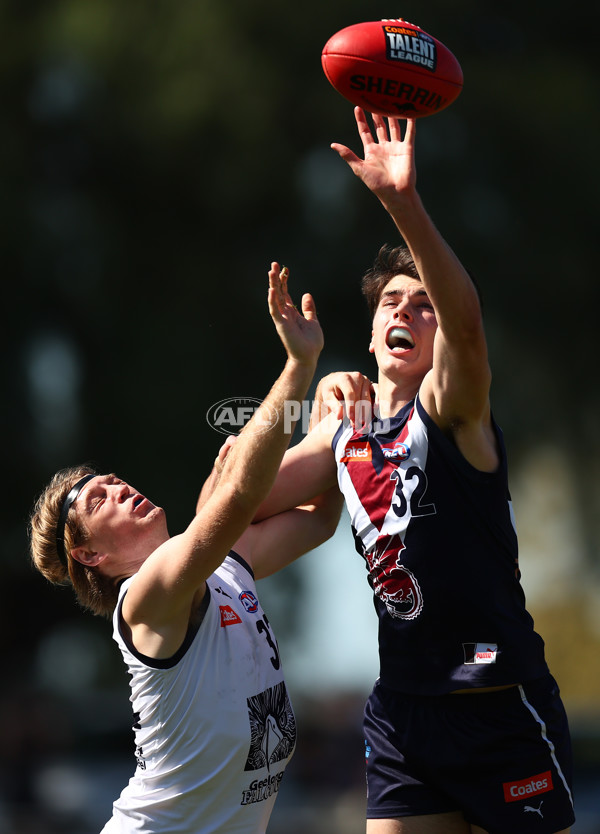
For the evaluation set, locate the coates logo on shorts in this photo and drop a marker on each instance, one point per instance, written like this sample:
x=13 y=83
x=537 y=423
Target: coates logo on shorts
x=231 y=415
x=526 y=788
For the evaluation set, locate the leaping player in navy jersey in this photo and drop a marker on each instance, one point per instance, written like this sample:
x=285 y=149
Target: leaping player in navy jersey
x=465 y=727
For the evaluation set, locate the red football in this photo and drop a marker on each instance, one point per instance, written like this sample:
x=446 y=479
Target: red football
x=393 y=68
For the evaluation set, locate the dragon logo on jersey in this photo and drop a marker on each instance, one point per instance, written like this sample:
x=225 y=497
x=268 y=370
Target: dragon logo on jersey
x=393 y=583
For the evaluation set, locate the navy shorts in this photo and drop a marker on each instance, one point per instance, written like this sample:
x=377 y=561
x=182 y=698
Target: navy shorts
x=502 y=758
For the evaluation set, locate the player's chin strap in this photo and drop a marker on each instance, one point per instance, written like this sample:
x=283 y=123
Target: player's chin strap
x=64 y=512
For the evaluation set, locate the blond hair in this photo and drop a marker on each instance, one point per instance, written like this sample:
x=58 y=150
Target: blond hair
x=94 y=591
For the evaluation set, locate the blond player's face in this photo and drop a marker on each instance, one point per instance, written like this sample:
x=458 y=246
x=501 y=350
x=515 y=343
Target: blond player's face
x=114 y=513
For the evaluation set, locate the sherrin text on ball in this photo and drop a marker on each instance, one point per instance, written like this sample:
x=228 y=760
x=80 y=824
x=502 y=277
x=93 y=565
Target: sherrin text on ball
x=393 y=68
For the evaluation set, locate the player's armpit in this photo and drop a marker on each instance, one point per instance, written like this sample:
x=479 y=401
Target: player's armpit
x=277 y=541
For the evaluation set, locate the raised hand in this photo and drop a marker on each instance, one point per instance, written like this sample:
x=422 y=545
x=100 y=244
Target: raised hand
x=299 y=331
x=388 y=168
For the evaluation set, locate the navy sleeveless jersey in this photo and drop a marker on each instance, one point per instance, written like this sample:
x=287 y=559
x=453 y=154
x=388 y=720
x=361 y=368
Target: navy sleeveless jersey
x=440 y=546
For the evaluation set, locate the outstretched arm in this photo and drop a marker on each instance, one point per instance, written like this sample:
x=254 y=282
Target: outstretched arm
x=456 y=391
x=171 y=582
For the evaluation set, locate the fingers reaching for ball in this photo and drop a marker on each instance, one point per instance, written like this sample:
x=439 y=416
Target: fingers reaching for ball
x=299 y=330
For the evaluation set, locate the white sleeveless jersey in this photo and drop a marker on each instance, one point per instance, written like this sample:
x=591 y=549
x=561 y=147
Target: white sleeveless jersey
x=214 y=727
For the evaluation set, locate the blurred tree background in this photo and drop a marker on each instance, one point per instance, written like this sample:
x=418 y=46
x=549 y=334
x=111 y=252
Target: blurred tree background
x=155 y=158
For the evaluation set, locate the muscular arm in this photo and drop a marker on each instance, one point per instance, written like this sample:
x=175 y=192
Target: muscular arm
x=456 y=391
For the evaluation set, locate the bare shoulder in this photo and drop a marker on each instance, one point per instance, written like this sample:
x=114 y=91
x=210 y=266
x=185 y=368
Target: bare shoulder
x=472 y=433
x=162 y=594
x=148 y=629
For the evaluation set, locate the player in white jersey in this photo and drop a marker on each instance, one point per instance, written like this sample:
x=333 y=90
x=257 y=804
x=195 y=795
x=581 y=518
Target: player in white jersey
x=214 y=727
x=465 y=728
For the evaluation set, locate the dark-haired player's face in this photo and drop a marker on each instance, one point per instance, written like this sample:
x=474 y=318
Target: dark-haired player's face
x=404 y=327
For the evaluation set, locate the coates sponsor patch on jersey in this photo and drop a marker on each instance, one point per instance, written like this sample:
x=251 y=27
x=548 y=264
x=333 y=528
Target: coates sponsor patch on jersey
x=524 y=788
x=396 y=451
x=479 y=653
x=249 y=602
x=357 y=451
x=228 y=616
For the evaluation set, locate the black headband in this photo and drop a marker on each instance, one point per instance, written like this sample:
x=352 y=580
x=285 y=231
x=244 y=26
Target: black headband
x=64 y=512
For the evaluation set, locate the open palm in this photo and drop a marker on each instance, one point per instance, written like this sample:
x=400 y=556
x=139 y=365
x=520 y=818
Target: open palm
x=388 y=167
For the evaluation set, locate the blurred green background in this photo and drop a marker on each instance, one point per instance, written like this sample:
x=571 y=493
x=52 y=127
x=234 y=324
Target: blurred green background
x=155 y=158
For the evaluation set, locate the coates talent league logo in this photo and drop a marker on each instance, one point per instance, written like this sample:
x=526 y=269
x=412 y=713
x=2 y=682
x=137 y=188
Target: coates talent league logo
x=410 y=46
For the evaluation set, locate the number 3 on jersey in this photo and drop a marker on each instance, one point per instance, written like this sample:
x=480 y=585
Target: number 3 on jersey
x=263 y=627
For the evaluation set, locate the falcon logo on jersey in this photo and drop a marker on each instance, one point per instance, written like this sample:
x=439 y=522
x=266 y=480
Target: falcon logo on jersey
x=272 y=740
x=393 y=583
x=397 y=451
x=357 y=451
x=228 y=616
x=249 y=602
